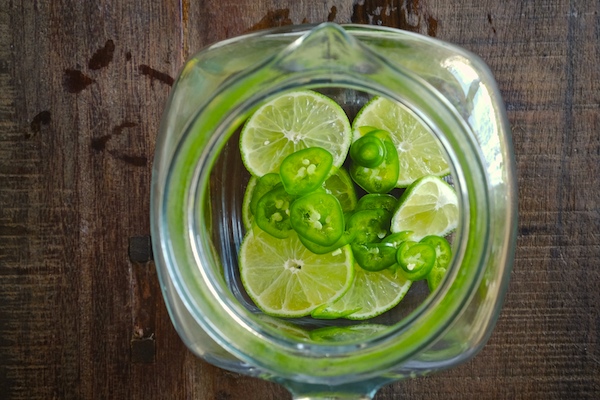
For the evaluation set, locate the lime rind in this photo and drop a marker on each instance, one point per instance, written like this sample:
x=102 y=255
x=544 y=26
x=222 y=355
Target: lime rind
x=285 y=279
x=419 y=151
x=291 y=122
x=247 y=217
x=325 y=311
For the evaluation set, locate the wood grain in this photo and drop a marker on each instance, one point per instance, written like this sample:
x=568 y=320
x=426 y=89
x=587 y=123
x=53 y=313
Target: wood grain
x=82 y=86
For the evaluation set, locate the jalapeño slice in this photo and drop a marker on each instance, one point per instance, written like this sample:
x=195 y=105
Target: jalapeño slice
x=273 y=212
x=397 y=238
x=346 y=238
x=305 y=170
x=370 y=226
x=368 y=151
x=435 y=277
x=415 y=259
x=377 y=200
x=265 y=184
x=318 y=217
x=443 y=251
x=374 y=256
x=382 y=178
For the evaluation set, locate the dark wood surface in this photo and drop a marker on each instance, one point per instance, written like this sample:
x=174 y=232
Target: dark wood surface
x=82 y=86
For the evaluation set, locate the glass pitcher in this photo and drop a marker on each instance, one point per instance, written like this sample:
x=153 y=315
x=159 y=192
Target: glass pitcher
x=199 y=181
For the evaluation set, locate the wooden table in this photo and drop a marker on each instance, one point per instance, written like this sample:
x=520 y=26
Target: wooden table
x=82 y=87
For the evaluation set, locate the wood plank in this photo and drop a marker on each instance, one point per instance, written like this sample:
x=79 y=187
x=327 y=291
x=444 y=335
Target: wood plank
x=82 y=113
x=82 y=86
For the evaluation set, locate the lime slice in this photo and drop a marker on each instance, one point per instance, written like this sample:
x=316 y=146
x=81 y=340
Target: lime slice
x=247 y=217
x=371 y=294
x=285 y=279
x=338 y=334
x=340 y=185
x=285 y=327
x=419 y=151
x=427 y=207
x=291 y=122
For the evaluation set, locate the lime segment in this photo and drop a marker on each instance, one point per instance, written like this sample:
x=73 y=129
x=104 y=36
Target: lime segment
x=428 y=207
x=340 y=185
x=419 y=151
x=285 y=279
